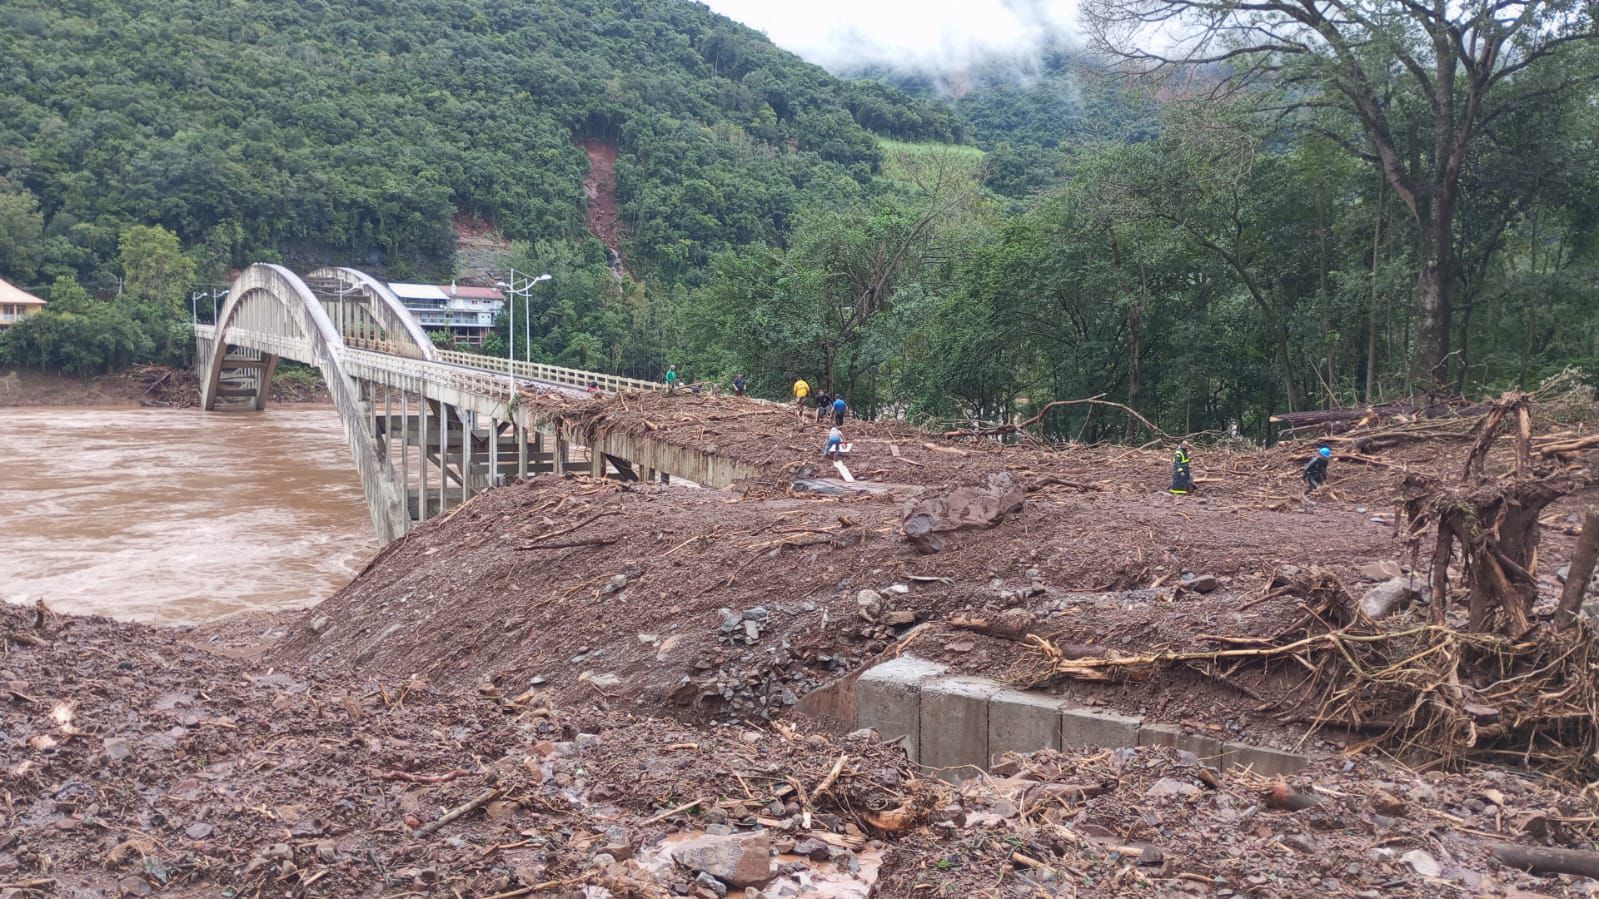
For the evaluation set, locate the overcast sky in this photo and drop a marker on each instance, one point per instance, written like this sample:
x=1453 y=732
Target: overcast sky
x=935 y=34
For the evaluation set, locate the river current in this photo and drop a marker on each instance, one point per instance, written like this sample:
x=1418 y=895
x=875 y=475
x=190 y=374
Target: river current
x=174 y=516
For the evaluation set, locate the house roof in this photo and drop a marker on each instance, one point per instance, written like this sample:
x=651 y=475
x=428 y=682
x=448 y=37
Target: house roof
x=407 y=291
x=476 y=293
x=13 y=295
x=417 y=291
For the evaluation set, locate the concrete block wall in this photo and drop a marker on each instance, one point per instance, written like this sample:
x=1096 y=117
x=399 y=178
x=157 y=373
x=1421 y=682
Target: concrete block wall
x=956 y=725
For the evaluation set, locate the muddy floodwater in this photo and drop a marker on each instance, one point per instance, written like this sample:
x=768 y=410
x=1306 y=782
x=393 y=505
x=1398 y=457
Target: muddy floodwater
x=173 y=516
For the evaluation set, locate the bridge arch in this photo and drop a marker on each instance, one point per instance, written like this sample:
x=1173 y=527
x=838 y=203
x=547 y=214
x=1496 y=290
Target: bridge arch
x=375 y=320
x=271 y=312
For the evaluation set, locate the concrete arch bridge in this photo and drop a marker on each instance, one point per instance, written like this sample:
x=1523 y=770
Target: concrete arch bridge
x=428 y=428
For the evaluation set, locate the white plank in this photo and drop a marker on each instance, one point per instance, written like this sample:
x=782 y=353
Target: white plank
x=844 y=473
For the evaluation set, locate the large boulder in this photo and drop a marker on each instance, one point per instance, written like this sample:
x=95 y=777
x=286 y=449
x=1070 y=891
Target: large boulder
x=924 y=519
x=1387 y=598
x=739 y=860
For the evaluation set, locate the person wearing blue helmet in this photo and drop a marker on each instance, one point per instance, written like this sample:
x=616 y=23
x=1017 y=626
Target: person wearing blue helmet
x=1316 y=471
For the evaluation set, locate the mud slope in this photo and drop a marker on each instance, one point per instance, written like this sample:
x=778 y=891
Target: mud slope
x=616 y=593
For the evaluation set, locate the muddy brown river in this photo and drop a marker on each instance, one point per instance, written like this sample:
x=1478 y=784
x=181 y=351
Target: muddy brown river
x=174 y=516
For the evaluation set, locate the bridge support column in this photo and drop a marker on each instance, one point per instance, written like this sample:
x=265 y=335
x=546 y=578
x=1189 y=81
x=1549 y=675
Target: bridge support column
x=521 y=450
x=405 y=455
x=422 y=461
x=468 y=430
x=494 y=452
x=263 y=387
x=444 y=455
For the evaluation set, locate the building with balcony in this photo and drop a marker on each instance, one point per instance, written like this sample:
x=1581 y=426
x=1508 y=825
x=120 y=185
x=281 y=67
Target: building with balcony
x=466 y=313
x=16 y=304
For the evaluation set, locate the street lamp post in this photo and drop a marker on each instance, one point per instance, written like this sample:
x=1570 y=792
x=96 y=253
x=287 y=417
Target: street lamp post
x=519 y=285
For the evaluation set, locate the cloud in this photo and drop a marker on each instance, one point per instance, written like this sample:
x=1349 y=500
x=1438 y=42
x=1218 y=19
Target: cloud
x=938 y=36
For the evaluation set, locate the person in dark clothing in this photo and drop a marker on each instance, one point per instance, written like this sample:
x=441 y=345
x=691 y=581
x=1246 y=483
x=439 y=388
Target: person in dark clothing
x=1182 y=481
x=838 y=411
x=1316 y=471
x=739 y=384
x=824 y=402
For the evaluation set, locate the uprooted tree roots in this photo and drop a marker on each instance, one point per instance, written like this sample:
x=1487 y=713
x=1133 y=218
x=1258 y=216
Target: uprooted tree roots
x=1426 y=692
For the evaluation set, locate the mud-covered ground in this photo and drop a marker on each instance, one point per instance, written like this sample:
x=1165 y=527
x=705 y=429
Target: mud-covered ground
x=137 y=764
x=577 y=688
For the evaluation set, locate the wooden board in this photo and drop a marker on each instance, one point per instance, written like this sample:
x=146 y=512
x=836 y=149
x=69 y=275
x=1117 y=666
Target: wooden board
x=844 y=472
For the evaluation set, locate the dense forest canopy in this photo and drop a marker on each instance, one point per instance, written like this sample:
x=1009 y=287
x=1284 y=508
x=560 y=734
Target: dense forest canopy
x=1382 y=211
x=353 y=130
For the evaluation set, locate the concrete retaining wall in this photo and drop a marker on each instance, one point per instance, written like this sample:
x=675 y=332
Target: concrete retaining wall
x=959 y=724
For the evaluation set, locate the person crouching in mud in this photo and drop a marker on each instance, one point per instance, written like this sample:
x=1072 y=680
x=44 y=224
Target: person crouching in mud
x=835 y=445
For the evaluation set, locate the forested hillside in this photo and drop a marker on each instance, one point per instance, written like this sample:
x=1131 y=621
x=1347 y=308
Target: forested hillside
x=1212 y=239
x=353 y=130
x=1024 y=111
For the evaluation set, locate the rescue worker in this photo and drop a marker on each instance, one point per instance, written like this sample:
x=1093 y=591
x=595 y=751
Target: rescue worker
x=838 y=411
x=835 y=444
x=1182 y=481
x=671 y=379
x=801 y=391
x=1316 y=471
x=824 y=402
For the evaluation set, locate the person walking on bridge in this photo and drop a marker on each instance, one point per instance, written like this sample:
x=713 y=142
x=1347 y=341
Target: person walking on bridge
x=1182 y=480
x=801 y=391
x=671 y=379
x=1316 y=472
x=838 y=411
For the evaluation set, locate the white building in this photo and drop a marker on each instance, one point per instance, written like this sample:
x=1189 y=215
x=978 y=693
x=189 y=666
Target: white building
x=468 y=313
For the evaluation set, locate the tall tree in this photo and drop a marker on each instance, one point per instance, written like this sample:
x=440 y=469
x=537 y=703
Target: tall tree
x=1420 y=77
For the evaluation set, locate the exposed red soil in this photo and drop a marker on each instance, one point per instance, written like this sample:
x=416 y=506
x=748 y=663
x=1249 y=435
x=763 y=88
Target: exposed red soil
x=604 y=215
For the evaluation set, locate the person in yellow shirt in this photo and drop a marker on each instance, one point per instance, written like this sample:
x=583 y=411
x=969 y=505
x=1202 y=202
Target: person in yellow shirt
x=801 y=391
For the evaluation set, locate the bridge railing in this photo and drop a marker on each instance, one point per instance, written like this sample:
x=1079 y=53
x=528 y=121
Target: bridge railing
x=538 y=371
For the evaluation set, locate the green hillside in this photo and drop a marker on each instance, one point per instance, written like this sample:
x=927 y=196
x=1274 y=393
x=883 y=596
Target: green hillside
x=353 y=130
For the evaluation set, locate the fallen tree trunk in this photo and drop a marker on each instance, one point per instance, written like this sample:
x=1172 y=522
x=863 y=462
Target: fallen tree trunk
x=1582 y=563
x=1539 y=860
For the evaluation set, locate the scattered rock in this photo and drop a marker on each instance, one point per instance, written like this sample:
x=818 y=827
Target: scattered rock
x=319 y=624
x=1387 y=598
x=1422 y=863
x=742 y=860
x=118 y=749
x=923 y=519
x=711 y=883
x=615 y=584
x=1203 y=583
x=199 y=830
x=1385 y=570
x=1168 y=786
